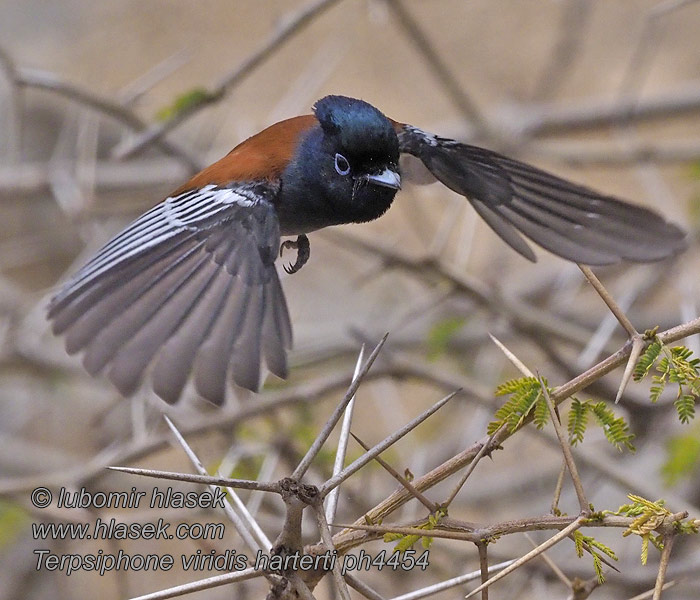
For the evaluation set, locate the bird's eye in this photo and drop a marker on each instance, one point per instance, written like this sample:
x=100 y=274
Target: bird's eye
x=342 y=166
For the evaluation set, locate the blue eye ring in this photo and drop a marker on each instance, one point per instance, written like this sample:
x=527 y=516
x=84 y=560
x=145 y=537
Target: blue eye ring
x=342 y=166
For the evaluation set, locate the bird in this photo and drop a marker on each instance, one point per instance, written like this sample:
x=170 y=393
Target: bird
x=190 y=288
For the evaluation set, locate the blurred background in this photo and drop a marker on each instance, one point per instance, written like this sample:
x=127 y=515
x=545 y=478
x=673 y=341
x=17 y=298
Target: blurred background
x=603 y=93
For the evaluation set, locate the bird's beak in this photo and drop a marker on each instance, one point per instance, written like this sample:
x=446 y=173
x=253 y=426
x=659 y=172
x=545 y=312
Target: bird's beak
x=387 y=178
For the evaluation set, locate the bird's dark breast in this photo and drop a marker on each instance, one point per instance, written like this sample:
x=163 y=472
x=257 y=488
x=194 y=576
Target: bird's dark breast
x=319 y=210
x=369 y=202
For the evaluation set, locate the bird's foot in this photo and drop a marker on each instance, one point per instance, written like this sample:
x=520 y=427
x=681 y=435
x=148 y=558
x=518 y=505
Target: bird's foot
x=303 y=248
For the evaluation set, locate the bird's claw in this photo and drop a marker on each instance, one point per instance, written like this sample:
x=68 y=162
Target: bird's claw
x=303 y=248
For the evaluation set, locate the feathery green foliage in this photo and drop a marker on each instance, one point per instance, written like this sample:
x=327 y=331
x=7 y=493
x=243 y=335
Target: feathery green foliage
x=406 y=541
x=647 y=359
x=615 y=428
x=649 y=516
x=525 y=395
x=586 y=542
x=578 y=421
x=683 y=456
x=673 y=365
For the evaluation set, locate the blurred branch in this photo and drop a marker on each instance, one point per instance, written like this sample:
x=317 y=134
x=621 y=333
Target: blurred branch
x=11 y=137
x=132 y=92
x=609 y=154
x=546 y=119
x=525 y=316
x=571 y=35
x=648 y=44
x=30 y=177
x=35 y=78
x=438 y=67
x=293 y=25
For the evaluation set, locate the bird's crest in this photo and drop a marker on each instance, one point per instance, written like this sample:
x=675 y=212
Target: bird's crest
x=359 y=126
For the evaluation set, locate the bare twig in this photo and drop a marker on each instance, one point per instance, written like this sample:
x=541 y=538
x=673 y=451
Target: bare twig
x=344 y=438
x=244 y=528
x=12 y=122
x=581 y=590
x=609 y=155
x=520 y=365
x=29 y=177
x=558 y=487
x=431 y=506
x=635 y=353
x=453 y=529
x=267 y=469
x=572 y=32
x=449 y=82
x=484 y=568
x=340 y=585
x=650 y=593
x=566 y=450
x=202 y=584
x=609 y=300
x=337 y=413
x=486 y=448
x=450 y=583
x=383 y=445
x=133 y=91
x=648 y=43
x=441 y=472
x=550 y=563
x=223 y=420
x=362 y=587
x=523 y=315
x=243 y=484
x=668 y=540
x=49 y=81
x=534 y=120
x=555 y=539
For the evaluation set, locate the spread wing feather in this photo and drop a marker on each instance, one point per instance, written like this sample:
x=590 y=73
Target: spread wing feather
x=570 y=220
x=189 y=286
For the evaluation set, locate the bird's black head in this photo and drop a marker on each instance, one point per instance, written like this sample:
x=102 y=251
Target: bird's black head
x=346 y=169
x=358 y=128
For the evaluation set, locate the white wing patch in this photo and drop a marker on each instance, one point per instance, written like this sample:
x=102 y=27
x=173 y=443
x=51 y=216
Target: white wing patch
x=427 y=138
x=187 y=210
x=175 y=215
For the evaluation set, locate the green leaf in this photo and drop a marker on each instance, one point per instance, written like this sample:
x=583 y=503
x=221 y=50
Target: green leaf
x=585 y=542
x=441 y=334
x=685 y=405
x=647 y=359
x=694 y=170
x=615 y=428
x=645 y=548
x=578 y=421
x=183 y=102
x=541 y=416
x=656 y=390
x=682 y=457
x=525 y=393
x=12 y=521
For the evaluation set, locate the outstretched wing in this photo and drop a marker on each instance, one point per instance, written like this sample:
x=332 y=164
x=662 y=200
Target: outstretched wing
x=190 y=286
x=569 y=220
